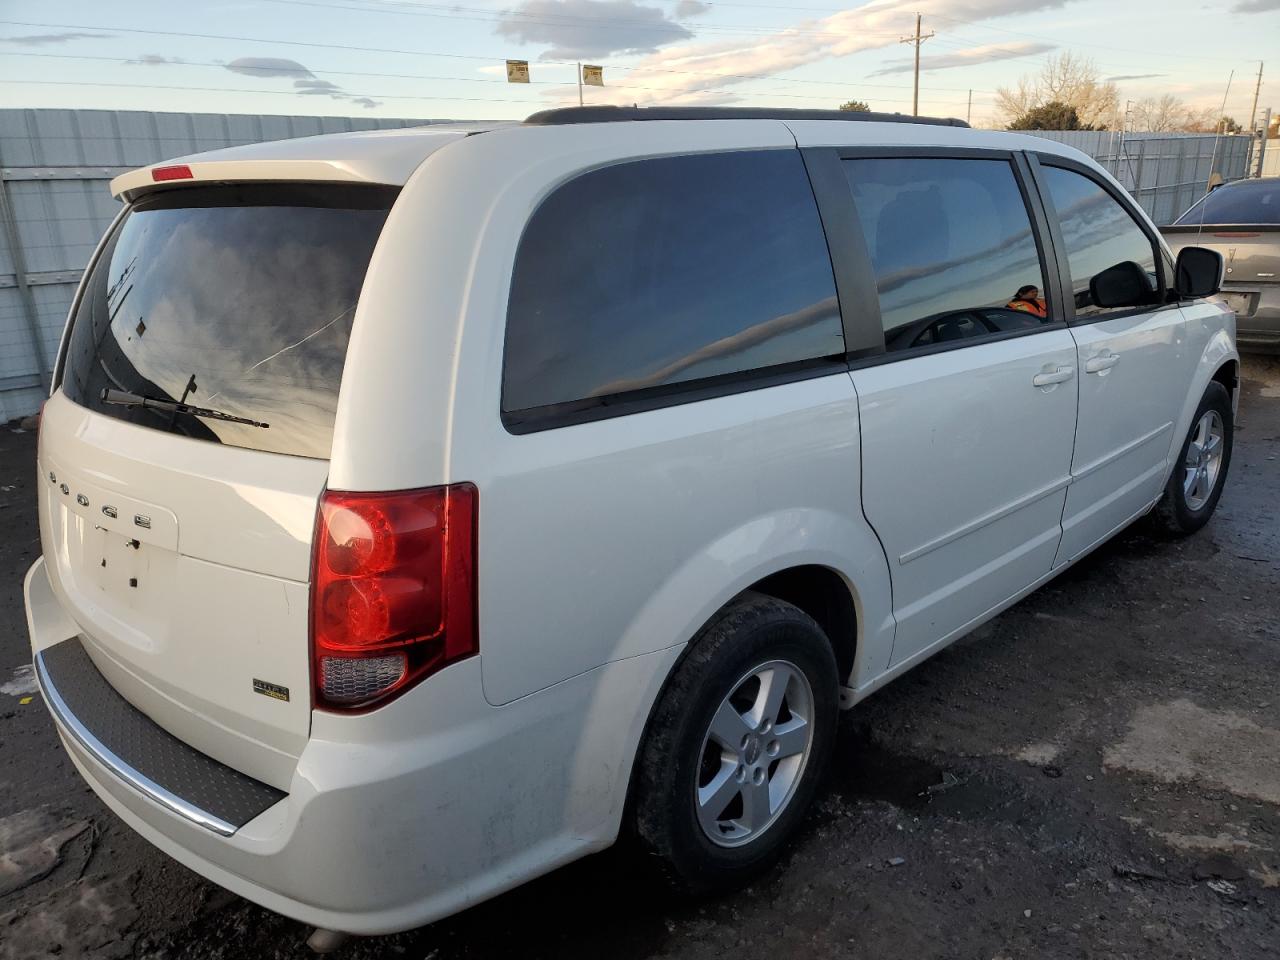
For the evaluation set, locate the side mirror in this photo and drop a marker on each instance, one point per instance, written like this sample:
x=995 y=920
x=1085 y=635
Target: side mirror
x=1198 y=272
x=1123 y=285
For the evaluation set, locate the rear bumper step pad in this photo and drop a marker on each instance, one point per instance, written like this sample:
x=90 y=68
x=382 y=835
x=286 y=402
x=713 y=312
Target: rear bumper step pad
x=138 y=751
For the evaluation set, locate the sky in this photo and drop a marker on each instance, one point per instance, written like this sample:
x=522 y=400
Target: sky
x=441 y=59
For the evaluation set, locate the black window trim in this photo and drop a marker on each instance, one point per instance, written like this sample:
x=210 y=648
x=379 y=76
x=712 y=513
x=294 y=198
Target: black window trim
x=1037 y=161
x=863 y=324
x=590 y=409
x=856 y=295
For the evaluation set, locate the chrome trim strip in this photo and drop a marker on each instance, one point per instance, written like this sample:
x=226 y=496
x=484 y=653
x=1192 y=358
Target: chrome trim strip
x=68 y=723
x=986 y=519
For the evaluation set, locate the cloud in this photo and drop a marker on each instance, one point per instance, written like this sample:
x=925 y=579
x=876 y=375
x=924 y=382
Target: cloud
x=39 y=39
x=316 y=86
x=590 y=28
x=699 y=72
x=690 y=8
x=988 y=53
x=1137 y=76
x=305 y=83
x=1255 y=6
x=153 y=60
x=268 y=67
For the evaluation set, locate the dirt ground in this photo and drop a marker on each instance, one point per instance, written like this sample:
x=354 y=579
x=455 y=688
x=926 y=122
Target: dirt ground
x=1096 y=773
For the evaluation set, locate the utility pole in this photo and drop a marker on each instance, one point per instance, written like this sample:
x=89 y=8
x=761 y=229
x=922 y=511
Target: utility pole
x=968 y=113
x=579 y=83
x=1253 y=111
x=917 y=40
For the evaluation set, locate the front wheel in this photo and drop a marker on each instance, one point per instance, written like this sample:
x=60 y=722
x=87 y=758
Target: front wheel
x=736 y=745
x=1198 y=476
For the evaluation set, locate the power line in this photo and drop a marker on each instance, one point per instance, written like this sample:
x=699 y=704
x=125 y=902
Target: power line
x=431 y=53
x=1058 y=40
x=482 y=15
x=351 y=95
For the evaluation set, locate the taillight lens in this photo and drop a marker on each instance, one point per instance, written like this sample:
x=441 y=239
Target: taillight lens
x=178 y=171
x=393 y=591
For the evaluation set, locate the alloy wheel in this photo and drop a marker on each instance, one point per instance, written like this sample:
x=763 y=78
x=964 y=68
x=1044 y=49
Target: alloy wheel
x=1203 y=461
x=754 y=753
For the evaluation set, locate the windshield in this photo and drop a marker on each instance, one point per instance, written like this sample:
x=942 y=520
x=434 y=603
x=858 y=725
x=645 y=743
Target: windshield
x=1254 y=201
x=233 y=298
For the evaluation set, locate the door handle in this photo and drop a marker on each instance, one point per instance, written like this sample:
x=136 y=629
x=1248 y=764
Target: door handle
x=1101 y=362
x=1051 y=375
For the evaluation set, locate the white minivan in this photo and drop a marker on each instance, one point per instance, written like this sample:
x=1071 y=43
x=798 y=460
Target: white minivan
x=424 y=509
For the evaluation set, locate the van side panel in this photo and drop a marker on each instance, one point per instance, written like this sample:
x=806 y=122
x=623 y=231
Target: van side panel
x=693 y=501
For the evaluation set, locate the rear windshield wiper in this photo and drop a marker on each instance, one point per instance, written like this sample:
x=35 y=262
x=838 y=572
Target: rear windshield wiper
x=127 y=399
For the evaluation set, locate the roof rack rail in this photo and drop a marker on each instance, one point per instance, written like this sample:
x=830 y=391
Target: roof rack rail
x=609 y=114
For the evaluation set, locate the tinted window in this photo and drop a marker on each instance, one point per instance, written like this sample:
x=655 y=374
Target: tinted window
x=665 y=271
x=1246 y=201
x=1098 y=232
x=236 y=299
x=952 y=248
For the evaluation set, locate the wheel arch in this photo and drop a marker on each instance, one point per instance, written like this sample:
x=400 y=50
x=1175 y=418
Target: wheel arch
x=828 y=598
x=1228 y=374
x=1218 y=363
x=821 y=591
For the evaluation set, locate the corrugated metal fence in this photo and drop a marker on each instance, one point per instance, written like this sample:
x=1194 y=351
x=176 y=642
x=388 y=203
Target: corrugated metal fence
x=1165 y=172
x=54 y=203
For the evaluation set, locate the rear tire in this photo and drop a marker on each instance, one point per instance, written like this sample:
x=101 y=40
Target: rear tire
x=1199 y=473
x=737 y=745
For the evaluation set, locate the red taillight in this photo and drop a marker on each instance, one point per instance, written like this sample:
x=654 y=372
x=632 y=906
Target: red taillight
x=178 y=171
x=393 y=591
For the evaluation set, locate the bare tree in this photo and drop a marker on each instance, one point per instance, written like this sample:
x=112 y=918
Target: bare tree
x=1161 y=114
x=1067 y=78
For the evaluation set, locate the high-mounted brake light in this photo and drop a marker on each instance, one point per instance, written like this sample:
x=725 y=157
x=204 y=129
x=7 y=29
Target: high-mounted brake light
x=176 y=172
x=393 y=591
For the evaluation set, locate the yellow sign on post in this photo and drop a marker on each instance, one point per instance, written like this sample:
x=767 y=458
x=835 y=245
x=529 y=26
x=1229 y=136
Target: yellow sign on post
x=517 y=71
x=592 y=75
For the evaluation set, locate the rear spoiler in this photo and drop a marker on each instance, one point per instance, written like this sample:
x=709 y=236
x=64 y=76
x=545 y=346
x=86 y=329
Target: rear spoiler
x=129 y=186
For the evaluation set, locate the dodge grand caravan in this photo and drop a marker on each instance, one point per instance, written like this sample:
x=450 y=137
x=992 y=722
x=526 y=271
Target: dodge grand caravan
x=424 y=509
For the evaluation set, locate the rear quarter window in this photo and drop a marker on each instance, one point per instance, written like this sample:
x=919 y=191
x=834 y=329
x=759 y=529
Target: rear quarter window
x=238 y=299
x=664 y=273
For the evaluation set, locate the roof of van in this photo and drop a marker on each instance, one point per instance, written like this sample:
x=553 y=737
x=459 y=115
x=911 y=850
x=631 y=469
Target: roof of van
x=391 y=156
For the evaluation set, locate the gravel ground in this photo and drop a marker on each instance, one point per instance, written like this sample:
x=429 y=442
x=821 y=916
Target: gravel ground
x=1095 y=773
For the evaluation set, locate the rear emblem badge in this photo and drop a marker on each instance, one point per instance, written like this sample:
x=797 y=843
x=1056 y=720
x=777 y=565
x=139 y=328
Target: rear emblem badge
x=110 y=511
x=82 y=499
x=140 y=520
x=272 y=690
x=65 y=489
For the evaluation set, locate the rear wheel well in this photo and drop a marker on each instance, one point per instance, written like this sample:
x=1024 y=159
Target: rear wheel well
x=822 y=594
x=1229 y=376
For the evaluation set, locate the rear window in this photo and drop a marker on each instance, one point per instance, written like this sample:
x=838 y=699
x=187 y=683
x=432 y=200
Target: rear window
x=236 y=299
x=1255 y=202
x=663 y=273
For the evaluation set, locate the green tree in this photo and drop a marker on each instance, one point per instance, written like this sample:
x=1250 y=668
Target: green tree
x=856 y=106
x=1054 y=115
